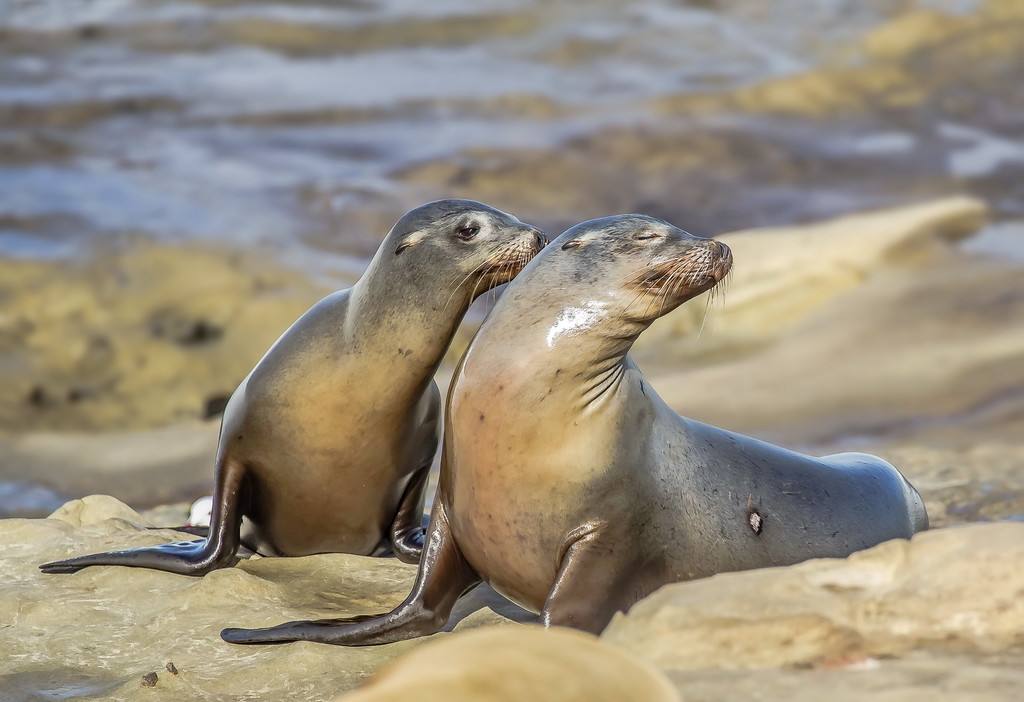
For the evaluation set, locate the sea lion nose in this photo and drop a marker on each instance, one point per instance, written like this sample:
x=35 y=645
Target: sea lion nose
x=539 y=238
x=723 y=264
x=724 y=252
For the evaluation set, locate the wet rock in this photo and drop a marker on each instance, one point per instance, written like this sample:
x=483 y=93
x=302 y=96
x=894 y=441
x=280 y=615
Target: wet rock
x=506 y=664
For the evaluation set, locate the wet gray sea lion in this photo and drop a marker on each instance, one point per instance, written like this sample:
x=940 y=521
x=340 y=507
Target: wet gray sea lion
x=326 y=445
x=571 y=488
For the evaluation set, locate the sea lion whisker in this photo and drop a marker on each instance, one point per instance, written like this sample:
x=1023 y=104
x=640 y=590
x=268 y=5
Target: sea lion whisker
x=464 y=280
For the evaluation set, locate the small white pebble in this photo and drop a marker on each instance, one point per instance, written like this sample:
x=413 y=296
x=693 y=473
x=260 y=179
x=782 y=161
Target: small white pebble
x=201 y=512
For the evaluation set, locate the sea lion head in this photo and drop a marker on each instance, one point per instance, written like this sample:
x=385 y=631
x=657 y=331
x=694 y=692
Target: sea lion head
x=637 y=267
x=477 y=246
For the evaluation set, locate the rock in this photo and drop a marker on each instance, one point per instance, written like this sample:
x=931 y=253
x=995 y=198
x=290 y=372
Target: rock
x=919 y=677
x=146 y=468
x=918 y=56
x=783 y=274
x=901 y=621
x=513 y=664
x=909 y=339
x=97 y=509
x=981 y=481
x=942 y=609
x=104 y=631
x=137 y=337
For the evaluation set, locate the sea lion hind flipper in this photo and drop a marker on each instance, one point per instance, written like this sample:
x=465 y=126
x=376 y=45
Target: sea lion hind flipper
x=199 y=557
x=408 y=532
x=591 y=585
x=444 y=575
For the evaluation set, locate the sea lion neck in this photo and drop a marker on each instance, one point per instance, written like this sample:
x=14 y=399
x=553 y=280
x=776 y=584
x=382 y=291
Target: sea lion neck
x=404 y=313
x=550 y=344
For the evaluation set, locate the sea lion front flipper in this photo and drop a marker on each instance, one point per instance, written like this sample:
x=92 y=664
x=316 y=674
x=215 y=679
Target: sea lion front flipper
x=407 y=529
x=592 y=583
x=444 y=575
x=184 y=557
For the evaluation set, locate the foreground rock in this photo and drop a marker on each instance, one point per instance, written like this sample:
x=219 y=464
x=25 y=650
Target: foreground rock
x=515 y=664
x=903 y=621
x=940 y=613
x=116 y=633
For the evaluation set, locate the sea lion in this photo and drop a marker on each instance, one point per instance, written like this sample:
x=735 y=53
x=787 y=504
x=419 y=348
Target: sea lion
x=570 y=486
x=326 y=445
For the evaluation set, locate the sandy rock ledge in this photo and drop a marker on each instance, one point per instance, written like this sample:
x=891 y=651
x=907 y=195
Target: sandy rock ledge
x=102 y=631
x=940 y=617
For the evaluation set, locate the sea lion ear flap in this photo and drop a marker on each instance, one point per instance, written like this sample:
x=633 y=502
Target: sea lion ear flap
x=409 y=241
x=572 y=244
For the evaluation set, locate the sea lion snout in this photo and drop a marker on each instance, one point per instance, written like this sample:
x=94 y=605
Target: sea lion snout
x=539 y=239
x=723 y=263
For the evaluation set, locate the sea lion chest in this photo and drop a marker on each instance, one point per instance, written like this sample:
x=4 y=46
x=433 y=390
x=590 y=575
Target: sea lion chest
x=516 y=482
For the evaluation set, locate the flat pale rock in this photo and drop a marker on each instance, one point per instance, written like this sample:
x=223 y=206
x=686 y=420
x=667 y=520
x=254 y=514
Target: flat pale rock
x=909 y=351
x=507 y=664
x=956 y=589
x=782 y=274
x=104 y=630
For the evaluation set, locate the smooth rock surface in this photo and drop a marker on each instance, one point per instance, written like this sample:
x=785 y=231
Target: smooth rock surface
x=782 y=274
x=103 y=630
x=509 y=664
x=940 y=617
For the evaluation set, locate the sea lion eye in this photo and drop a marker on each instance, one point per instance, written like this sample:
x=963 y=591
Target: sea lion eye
x=573 y=244
x=645 y=235
x=467 y=233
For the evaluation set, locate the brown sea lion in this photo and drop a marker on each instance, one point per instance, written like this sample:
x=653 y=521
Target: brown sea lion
x=571 y=488
x=326 y=445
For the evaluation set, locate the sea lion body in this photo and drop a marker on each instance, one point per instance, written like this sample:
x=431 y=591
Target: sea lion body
x=344 y=500
x=671 y=495
x=326 y=444
x=572 y=488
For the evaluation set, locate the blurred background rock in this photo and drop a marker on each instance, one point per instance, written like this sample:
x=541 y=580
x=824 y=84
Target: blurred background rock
x=180 y=179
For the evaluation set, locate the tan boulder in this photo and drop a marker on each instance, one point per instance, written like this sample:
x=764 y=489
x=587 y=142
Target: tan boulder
x=949 y=589
x=507 y=664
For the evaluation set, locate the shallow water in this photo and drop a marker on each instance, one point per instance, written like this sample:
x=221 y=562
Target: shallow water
x=248 y=121
x=25 y=499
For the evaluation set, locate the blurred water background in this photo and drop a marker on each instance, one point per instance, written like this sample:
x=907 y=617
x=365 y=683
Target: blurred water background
x=301 y=130
x=250 y=121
